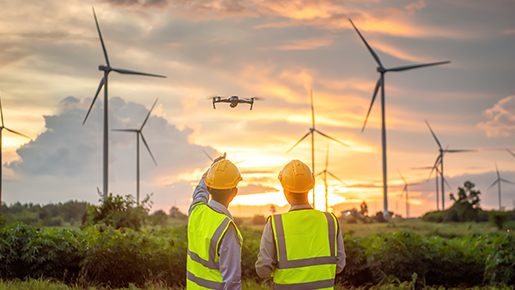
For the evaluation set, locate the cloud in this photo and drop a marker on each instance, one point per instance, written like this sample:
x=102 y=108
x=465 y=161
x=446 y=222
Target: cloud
x=71 y=153
x=501 y=118
x=255 y=188
x=306 y=44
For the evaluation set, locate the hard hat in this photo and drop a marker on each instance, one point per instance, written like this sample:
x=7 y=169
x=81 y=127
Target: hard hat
x=296 y=177
x=223 y=175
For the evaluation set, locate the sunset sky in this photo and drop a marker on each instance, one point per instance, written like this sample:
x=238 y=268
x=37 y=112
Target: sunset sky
x=279 y=51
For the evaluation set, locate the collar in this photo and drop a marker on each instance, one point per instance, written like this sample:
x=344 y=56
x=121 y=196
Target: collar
x=300 y=206
x=218 y=207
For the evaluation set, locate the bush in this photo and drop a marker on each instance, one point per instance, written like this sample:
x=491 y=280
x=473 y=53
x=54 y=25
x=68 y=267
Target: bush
x=434 y=216
x=259 y=219
x=499 y=218
x=118 y=212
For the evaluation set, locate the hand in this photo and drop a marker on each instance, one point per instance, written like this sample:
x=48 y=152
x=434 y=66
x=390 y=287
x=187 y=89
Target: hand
x=219 y=158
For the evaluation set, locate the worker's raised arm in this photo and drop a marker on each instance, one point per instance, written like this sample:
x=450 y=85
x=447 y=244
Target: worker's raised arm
x=200 y=194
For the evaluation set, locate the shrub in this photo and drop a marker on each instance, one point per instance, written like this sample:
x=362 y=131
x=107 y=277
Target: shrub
x=259 y=219
x=499 y=218
x=118 y=212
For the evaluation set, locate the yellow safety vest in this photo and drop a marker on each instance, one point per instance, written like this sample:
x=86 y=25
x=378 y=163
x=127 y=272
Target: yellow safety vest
x=206 y=228
x=306 y=249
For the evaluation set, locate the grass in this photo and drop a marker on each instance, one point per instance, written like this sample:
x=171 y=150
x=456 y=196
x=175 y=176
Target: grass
x=39 y=284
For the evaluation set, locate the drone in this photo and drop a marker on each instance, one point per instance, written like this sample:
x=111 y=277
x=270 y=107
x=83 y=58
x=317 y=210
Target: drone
x=233 y=101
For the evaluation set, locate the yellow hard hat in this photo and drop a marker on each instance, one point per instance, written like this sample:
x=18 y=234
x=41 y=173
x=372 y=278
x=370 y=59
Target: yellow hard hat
x=223 y=175
x=296 y=177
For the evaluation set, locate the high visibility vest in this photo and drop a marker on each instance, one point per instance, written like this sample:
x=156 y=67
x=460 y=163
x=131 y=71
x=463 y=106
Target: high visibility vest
x=306 y=249
x=206 y=228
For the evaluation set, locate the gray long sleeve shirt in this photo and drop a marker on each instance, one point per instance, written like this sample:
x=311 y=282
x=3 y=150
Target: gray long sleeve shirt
x=229 y=250
x=267 y=257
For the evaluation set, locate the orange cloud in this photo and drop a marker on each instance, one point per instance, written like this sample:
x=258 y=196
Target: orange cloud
x=306 y=44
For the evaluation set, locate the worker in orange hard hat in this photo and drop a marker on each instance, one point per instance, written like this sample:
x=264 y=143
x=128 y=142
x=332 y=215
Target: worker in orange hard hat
x=302 y=248
x=214 y=241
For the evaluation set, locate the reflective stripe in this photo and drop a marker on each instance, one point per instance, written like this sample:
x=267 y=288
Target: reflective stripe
x=306 y=262
x=306 y=286
x=208 y=264
x=281 y=242
x=284 y=263
x=216 y=238
x=332 y=231
x=204 y=282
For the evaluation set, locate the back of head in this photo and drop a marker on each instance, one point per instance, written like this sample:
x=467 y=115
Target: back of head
x=296 y=177
x=223 y=175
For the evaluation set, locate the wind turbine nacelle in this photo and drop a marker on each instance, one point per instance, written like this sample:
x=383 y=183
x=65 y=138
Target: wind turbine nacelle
x=104 y=68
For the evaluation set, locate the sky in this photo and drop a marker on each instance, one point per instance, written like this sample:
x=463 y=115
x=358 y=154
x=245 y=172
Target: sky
x=278 y=51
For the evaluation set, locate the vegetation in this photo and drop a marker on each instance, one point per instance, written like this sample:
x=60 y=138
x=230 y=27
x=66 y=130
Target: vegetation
x=60 y=214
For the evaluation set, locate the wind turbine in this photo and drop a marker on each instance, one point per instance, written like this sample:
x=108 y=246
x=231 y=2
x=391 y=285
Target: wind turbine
x=312 y=131
x=103 y=83
x=12 y=131
x=439 y=160
x=380 y=83
x=405 y=190
x=498 y=181
x=436 y=180
x=139 y=134
x=509 y=151
x=324 y=177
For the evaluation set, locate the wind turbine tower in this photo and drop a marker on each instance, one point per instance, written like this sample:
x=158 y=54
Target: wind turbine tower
x=103 y=83
x=498 y=181
x=380 y=83
x=312 y=131
x=139 y=134
x=12 y=131
x=324 y=177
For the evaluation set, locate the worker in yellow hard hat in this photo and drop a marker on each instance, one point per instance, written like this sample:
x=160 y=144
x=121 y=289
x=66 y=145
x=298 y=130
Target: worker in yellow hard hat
x=302 y=248
x=214 y=241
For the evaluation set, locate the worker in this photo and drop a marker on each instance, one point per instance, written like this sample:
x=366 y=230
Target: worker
x=214 y=241
x=302 y=248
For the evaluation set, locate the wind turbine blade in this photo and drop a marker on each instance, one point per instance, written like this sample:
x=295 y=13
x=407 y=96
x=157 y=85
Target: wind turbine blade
x=298 y=142
x=507 y=181
x=312 y=109
x=12 y=131
x=327 y=136
x=144 y=122
x=497 y=170
x=2 y=113
x=126 y=130
x=368 y=46
x=408 y=67
x=101 y=39
x=130 y=72
x=405 y=188
x=372 y=102
x=327 y=157
x=401 y=176
x=435 y=166
x=148 y=148
x=509 y=151
x=436 y=139
x=445 y=180
x=459 y=150
x=493 y=184
x=334 y=176
x=210 y=158
x=102 y=82
x=320 y=173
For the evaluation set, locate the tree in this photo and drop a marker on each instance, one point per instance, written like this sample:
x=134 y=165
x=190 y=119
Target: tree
x=272 y=209
x=466 y=206
x=363 y=209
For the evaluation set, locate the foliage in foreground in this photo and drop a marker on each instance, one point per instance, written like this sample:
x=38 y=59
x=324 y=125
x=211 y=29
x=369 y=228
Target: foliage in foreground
x=105 y=256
